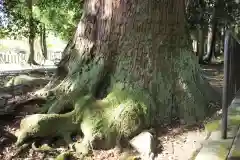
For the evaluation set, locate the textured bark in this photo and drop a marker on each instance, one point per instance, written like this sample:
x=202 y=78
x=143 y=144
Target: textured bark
x=31 y=34
x=134 y=56
x=201 y=45
x=43 y=42
x=212 y=33
x=211 y=43
x=132 y=39
x=195 y=14
x=201 y=31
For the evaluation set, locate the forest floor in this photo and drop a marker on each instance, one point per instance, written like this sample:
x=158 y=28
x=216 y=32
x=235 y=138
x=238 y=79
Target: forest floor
x=19 y=67
x=176 y=142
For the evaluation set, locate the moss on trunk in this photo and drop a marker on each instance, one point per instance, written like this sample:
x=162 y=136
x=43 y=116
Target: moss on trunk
x=144 y=63
x=46 y=125
x=26 y=80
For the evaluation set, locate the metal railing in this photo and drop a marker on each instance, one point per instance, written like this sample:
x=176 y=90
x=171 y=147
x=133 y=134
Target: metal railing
x=13 y=57
x=231 y=82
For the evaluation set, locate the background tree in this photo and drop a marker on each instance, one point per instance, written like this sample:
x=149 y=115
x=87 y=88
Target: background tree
x=21 y=23
x=32 y=33
x=45 y=17
x=196 y=17
x=59 y=17
x=214 y=16
x=43 y=42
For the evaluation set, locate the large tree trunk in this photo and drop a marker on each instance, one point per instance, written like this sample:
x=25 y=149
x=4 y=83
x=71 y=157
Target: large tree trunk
x=136 y=57
x=130 y=38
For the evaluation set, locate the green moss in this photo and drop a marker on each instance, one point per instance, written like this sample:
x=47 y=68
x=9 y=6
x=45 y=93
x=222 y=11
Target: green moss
x=128 y=108
x=192 y=94
x=46 y=125
x=234 y=119
x=25 y=80
x=212 y=126
x=121 y=114
x=44 y=147
x=129 y=156
x=64 y=156
x=132 y=158
x=216 y=124
x=194 y=154
x=235 y=153
x=223 y=151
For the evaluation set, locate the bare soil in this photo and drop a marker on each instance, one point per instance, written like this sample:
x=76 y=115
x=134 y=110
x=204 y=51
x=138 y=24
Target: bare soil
x=176 y=142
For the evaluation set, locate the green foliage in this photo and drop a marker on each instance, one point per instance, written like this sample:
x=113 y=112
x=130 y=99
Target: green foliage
x=3 y=33
x=17 y=17
x=199 y=12
x=64 y=156
x=59 y=17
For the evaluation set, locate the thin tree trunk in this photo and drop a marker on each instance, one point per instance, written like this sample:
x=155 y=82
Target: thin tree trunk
x=31 y=34
x=212 y=35
x=211 y=43
x=218 y=43
x=201 y=45
x=43 y=42
x=195 y=44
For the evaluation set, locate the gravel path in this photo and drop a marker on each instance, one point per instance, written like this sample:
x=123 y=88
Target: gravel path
x=18 y=67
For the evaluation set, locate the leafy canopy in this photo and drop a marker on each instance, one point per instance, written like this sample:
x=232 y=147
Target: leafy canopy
x=58 y=16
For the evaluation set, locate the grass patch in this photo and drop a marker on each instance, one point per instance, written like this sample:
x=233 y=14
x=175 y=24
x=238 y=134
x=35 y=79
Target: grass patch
x=215 y=125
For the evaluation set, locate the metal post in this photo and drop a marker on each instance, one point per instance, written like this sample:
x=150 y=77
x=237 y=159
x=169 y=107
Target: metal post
x=237 y=51
x=231 y=69
x=225 y=100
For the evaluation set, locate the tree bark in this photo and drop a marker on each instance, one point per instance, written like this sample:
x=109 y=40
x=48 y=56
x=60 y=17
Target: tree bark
x=43 y=42
x=136 y=57
x=152 y=44
x=31 y=37
x=211 y=43
x=212 y=34
x=201 y=45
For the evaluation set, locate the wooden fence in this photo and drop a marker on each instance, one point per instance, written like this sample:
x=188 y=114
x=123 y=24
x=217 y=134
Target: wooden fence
x=13 y=57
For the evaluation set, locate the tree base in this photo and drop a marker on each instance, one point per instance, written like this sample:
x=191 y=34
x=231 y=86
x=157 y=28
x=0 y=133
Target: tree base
x=128 y=107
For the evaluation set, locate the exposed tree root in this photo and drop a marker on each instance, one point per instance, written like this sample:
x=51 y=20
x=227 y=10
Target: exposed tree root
x=6 y=138
x=118 y=115
x=17 y=86
x=21 y=85
x=64 y=156
x=21 y=150
x=26 y=80
x=13 y=107
x=129 y=156
x=48 y=90
x=15 y=90
x=47 y=125
x=149 y=77
x=42 y=148
x=122 y=114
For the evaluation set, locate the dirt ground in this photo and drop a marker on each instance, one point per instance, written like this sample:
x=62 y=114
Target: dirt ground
x=175 y=142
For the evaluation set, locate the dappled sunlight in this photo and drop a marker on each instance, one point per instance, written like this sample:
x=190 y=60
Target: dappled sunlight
x=185 y=88
x=92 y=7
x=216 y=149
x=18 y=67
x=127 y=69
x=108 y=10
